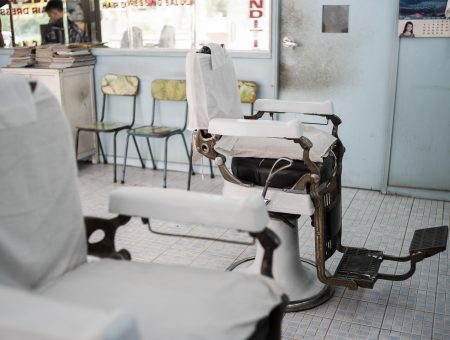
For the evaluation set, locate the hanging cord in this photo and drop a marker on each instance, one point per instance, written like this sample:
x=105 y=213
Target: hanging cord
x=335 y=163
x=272 y=173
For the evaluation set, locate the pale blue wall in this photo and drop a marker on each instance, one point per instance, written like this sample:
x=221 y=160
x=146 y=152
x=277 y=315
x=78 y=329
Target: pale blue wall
x=352 y=69
x=408 y=115
x=4 y=56
x=421 y=141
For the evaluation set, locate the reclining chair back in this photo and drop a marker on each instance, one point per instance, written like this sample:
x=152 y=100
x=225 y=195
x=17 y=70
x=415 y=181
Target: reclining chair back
x=41 y=226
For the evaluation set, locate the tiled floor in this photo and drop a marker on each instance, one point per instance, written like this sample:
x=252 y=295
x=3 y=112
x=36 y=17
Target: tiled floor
x=418 y=308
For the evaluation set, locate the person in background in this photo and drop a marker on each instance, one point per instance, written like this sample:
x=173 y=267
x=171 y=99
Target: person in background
x=408 y=30
x=2 y=42
x=55 y=12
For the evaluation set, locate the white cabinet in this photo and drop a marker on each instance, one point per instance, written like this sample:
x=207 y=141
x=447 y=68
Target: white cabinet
x=74 y=88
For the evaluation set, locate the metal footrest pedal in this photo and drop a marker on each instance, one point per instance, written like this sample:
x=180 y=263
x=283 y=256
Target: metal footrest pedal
x=360 y=265
x=429 y=241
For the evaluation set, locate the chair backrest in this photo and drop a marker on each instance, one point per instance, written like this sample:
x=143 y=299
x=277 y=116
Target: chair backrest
x=120 y=85
x=169 y=89
x=247 y=92
x=41 y=224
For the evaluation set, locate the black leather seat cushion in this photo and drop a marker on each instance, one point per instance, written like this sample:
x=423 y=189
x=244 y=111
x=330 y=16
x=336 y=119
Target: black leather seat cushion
x=256 y=171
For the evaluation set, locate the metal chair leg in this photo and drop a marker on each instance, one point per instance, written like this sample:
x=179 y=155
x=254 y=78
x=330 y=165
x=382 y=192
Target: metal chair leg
x=191 y=155
x=211 y=169
x=165 y=163
x=125 y=159
x=76 y=144
x=138 y=152
x=187 y=152
x=191 y=171
x=151 y=153
x=115 y=156
x=99 y=142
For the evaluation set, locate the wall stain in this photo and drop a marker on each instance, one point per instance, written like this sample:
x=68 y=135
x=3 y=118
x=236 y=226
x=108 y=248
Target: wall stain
x=320 y=60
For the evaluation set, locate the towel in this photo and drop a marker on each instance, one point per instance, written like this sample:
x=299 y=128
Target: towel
x=211 y=90
x=17 y=105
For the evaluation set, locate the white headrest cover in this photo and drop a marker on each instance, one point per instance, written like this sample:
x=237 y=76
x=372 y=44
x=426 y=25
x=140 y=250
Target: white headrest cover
x=211 y=87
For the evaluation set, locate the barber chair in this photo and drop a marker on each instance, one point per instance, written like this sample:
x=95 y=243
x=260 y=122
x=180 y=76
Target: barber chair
x=297 y=169
x=48 y=290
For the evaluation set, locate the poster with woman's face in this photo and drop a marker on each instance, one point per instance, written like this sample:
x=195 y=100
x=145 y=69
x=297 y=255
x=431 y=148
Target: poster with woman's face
x=424 y=18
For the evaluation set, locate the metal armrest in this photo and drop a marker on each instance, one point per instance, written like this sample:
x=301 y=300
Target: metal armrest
x=252 y=127
x=185 y=207
x=244 y=214
x=280 y=106
x=105 y=247
x=205 y=143
x=322 y=109
x=256 y=128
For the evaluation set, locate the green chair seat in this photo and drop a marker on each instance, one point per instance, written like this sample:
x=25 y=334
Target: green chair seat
x=103 y=127
x=154 y=131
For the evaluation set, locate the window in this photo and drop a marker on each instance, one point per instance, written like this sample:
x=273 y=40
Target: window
x=176 y=24
x=28 y=15
x=184 y=24
x=30 y=19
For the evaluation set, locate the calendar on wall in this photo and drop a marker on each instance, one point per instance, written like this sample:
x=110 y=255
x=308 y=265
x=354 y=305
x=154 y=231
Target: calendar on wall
x=424 y=19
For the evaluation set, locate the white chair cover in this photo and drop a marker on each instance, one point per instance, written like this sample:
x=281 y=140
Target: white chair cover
x=211 y=87
x=38 y=188
x=172 y=302
x=25 y=316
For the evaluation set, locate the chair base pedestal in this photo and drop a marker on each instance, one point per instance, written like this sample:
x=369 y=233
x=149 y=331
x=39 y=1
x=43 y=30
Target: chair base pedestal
x=297 y=276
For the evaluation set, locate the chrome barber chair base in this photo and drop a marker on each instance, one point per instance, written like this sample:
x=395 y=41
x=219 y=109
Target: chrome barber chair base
x=297 y=276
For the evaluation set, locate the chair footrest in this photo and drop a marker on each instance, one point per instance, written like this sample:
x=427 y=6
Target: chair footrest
x=360 y=265
x=429 y=241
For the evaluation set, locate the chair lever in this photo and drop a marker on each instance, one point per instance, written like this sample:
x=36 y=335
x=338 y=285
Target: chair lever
x=273 y=172
x=269 y=241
